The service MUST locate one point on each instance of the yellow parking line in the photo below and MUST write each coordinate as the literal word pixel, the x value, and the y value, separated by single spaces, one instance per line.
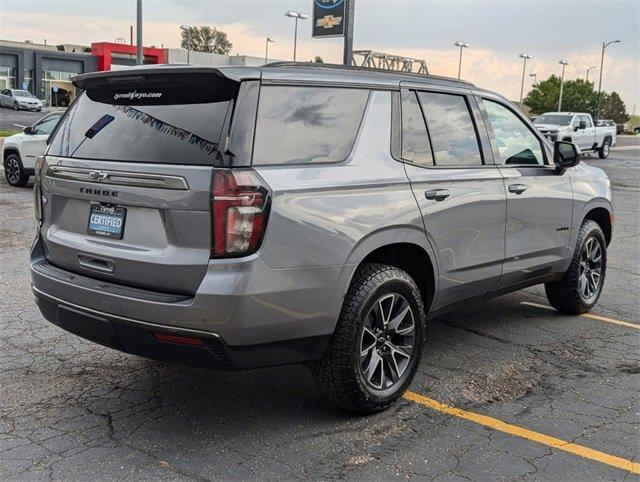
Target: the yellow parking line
pixel 589 315
pixel 526 434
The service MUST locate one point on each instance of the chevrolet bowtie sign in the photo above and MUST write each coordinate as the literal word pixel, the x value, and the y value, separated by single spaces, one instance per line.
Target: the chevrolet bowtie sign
pixel 328 18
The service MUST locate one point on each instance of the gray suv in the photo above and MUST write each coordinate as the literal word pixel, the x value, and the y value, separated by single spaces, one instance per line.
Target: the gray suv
pixel 245 217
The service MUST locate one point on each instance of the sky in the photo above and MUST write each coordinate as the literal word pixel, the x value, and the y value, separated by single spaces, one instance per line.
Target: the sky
pixel 498 30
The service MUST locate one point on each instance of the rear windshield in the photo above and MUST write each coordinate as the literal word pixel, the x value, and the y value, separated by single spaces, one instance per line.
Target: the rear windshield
pixel 165 119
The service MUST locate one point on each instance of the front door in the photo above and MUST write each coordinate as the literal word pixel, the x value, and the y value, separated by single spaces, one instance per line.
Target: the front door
pixel 461 198
pixel 539 199
pixel 583 138
pixel 34 144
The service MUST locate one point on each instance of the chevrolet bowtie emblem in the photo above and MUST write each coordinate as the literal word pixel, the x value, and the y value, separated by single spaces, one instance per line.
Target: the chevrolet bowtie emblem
pixel 98 175
pixel 328 21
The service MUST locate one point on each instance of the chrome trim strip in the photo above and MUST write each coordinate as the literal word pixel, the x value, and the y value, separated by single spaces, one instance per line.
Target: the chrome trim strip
pixel 118 178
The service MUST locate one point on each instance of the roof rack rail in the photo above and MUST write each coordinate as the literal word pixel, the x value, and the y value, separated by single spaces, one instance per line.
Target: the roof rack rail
pixel 356 68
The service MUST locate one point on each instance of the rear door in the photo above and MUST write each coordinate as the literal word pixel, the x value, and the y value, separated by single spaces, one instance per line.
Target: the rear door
pixel 128 177
pixel 539 199
pixel 459 190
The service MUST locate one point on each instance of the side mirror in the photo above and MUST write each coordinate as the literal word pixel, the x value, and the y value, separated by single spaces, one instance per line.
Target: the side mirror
pixel 583 125
pixel 28 130
pixel 566 155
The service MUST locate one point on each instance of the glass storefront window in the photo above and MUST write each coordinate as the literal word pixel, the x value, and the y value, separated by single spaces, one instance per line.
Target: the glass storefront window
pixel 57 89
pixel 27 82
pixel 7 78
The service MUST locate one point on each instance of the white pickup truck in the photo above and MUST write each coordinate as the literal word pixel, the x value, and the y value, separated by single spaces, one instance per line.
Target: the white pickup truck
pixel 579 128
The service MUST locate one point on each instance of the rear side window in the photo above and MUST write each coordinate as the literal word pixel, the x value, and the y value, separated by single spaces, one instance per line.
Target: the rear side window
pixel 451 129
pixel 168 119
pixel 302 125
pixel 415 140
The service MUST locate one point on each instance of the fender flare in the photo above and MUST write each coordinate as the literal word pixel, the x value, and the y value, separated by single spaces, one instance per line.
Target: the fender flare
pixel 599 202
pixel 384 237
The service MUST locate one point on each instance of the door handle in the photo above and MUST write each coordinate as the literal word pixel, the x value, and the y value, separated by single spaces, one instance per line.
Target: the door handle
pixel 517 188
pixel 437 194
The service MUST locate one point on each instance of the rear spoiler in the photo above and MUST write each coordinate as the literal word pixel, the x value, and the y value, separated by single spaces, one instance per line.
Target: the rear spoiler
pixel 141 73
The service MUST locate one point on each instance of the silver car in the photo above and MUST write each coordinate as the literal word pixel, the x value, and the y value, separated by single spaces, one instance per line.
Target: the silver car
pixel 244 217
pixel 19 100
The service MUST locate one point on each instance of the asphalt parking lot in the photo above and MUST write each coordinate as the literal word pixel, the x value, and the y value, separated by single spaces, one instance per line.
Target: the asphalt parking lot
pixel 11 120
pixel 508 390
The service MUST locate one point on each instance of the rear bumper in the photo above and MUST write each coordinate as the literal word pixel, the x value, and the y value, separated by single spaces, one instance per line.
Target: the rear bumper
pixel 139 338
pixel 257 315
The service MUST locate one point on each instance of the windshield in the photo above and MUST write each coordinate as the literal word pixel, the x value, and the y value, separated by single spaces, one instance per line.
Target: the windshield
pixel 179 123
pixel 22 93
pixel 554 119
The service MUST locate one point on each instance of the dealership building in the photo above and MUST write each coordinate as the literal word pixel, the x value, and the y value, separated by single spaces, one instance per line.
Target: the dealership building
pixel 46 70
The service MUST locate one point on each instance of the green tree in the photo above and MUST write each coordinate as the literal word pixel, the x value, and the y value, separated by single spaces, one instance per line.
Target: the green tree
pixel 578 96
pixel 205 39
pixel 612 107
pixel 318 60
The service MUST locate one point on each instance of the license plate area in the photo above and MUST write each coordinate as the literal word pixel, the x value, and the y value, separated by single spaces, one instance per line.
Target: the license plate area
pixel 106 220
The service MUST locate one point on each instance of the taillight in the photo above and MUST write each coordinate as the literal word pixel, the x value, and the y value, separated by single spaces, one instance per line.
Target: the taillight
pixel 37 190
pixel 239 210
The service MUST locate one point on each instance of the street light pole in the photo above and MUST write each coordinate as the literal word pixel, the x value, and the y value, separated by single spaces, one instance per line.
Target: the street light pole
pixel 139 58
pixel 604 46
pixel 564 64
pixel 588 70
pixel 462 45
pixel 525 57
pixel 187 28
pixel 296 15
pixel 266 50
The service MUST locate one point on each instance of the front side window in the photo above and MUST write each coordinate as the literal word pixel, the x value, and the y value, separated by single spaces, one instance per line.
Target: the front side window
pixel 301 125
pixel 587 121
pixel 47 125
pixel 516 143
pixel 415 140
pixel 453 135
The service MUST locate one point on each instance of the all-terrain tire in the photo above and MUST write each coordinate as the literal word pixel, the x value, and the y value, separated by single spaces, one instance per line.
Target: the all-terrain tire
pixel 565 295
pixel 603 151
pixel 339 373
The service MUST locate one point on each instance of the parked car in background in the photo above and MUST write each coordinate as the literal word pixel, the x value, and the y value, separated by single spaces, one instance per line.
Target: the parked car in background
pixel 60 97
pixel 20 100
pixel 578 128
pixel 636 129
pixel 19 151
pixel 242 217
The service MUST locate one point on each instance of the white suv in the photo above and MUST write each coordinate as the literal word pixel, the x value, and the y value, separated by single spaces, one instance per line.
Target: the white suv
pixel 19 151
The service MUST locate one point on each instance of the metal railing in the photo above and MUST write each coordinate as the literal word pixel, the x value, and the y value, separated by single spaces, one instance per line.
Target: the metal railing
pixel 382 61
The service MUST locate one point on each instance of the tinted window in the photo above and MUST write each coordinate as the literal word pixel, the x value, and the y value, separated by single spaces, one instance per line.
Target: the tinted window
pixel 516 143
pixel 307 124
pixel 453 136
pixel 415 140
pixel 177 121
pixel 587 120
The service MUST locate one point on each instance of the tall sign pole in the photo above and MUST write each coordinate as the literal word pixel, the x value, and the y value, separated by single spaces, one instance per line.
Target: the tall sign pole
pixel 139 60
pixel 348 32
